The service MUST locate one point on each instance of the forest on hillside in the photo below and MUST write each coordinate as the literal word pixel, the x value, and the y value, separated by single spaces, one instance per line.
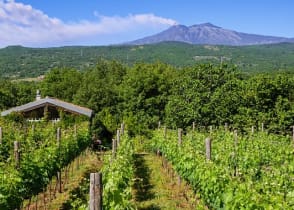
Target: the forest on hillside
pixel 143 94
pixel 22 62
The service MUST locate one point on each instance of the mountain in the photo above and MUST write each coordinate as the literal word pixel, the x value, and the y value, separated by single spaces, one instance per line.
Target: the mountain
pixel 208 33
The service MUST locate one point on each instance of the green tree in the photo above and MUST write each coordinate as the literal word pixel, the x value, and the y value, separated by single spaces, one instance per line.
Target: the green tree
pixel 144 92
pixel 7 93
pixel 193 91
pixel 99 91
pixel 61 83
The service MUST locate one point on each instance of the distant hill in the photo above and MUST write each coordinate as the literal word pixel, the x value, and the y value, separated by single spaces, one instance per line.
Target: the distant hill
pixel 21 62
pixel 208 33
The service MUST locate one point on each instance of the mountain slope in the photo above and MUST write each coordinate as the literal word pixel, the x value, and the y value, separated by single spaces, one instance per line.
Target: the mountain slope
pixel 208 33
pixel 21 62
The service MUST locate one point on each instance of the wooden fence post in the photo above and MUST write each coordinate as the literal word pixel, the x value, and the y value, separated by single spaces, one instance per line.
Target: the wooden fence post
pixel 1 135
pixel 17 154
pixel 208 148
pixel 96 188
pixel 193 126
pixel 252 129
pixel 118 137
pixel 159 124
pixel 262 127
pixel 180 132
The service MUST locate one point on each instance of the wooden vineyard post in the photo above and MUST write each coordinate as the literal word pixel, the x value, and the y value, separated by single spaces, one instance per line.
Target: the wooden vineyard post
pixel 159 124
pixel 235 151
pixel 96 191
pixel 33 128
pixel 180 133
pixel 262 127
pixel 114 147
pixel 164 132
pixel 158 152
pixel 36 202
pixel 208 148
pixel 226 127
pixel 164 136
pixel 44 198
pixel 1 135
pixel 50 187
pixel 122 129
pixel 59 182
pixel 58 138
pixel 75 131
pixel 235 139
pixel 293 134
pixel 17 154
pixel 118 137
pixel 252 129
pixel 193 126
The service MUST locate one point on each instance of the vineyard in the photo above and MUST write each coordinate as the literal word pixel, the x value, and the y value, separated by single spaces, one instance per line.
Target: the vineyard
pixel 31 155
pixel 254 171
pixel 224 169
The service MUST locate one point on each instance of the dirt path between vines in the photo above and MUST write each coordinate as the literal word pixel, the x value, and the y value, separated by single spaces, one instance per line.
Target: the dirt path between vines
pixel 157 187
pixel 84 164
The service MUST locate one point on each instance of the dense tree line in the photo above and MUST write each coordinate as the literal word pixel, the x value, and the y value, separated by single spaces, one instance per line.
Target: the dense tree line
pixel 143 94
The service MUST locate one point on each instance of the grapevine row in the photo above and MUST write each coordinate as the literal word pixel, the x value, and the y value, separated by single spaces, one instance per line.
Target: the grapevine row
pixel 117 176
pixel 39 165
pixel 253 172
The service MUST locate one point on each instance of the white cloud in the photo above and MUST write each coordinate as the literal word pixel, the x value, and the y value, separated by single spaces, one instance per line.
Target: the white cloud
pixel 21 24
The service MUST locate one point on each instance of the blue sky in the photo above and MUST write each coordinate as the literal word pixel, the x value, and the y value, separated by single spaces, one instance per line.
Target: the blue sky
pixel 45 23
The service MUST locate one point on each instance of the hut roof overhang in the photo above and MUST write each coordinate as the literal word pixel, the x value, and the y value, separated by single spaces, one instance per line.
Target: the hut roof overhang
pixel 72 108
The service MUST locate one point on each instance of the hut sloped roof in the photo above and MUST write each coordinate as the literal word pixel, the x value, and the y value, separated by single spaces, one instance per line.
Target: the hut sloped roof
pixel 50 101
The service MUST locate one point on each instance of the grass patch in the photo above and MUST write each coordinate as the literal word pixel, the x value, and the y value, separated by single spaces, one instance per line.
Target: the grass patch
pixel 156 187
